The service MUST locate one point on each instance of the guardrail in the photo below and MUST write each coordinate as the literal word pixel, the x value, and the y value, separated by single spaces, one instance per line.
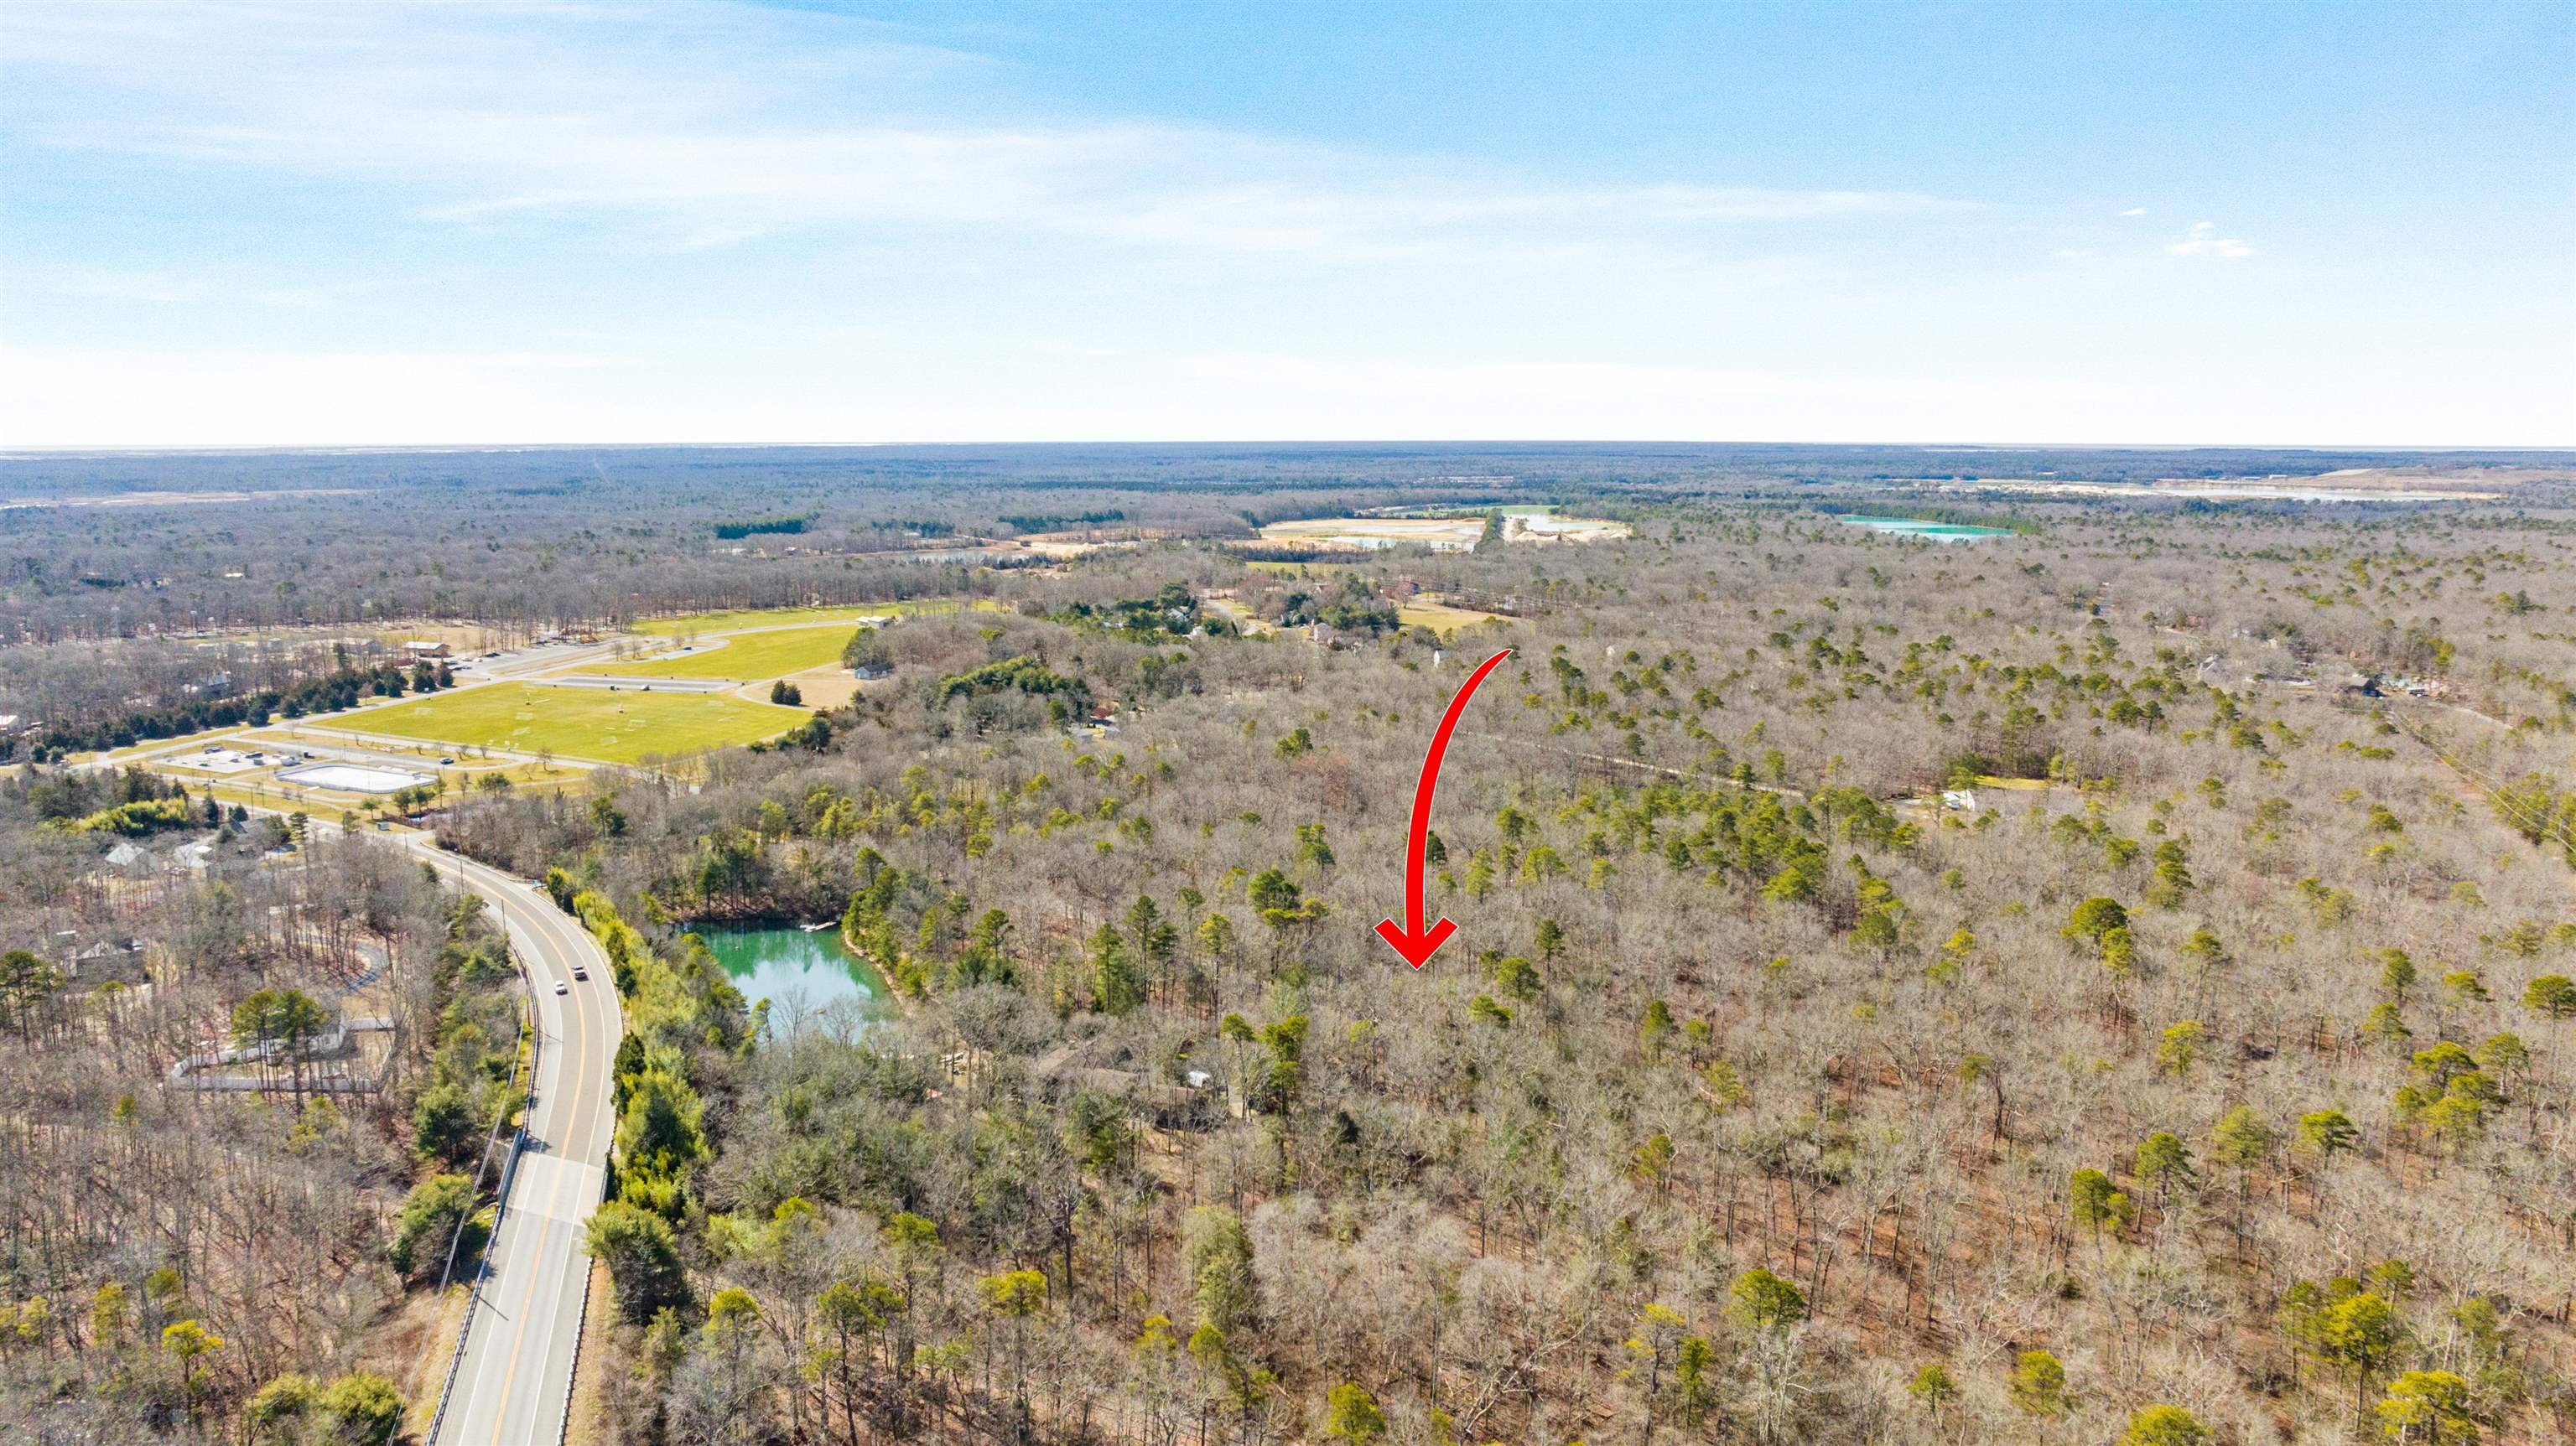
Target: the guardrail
pixel 483 1163
pixel 474 1296
pixel 581 1319
pixel 455 1361
pixel 500 1211
pixel 580 1327
pixel 509 1170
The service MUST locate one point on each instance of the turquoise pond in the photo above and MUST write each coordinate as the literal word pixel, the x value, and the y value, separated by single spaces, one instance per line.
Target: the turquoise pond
pixel 1917 527
pixel 790 967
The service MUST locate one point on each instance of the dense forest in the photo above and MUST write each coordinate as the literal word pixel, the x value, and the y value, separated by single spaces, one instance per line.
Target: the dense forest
pixel 159 544
pixel 2107 982
pixel 183 1263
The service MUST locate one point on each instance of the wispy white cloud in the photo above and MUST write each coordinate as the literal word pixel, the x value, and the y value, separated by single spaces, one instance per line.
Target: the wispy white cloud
pixel 2204 240
pixel 766 223
pixel 487 124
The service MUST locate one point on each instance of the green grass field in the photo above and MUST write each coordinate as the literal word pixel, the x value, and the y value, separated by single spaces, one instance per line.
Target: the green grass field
pixel 1439 617
pixel 701 623
pixel 619 727
pixel 747 657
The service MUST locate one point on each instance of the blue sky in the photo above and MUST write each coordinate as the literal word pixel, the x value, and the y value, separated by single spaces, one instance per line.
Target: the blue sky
pixel 365 224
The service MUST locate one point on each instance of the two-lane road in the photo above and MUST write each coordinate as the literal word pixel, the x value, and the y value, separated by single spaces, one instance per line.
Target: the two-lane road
pixel 515 1378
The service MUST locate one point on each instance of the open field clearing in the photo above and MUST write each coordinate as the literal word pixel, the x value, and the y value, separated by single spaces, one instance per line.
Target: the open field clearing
pixel 1545 526
pixel 1237 614
pixel 466 639
pixel 619 727
pixel 693 624
pixel 746 657
pixel 1442 534
pixel 825 687
pixel 1422 612
pixel 738 619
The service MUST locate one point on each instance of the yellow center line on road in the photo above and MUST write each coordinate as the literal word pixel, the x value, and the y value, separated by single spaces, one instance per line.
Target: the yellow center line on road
pixel 505 891
pixel 554 1195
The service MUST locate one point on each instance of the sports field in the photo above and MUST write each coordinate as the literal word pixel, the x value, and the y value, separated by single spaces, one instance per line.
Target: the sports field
pixel 619 727
pixel 745 657
pixel 740 618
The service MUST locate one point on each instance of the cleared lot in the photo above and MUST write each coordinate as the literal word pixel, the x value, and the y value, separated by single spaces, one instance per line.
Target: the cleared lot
pixel 1440 617
pixel 735 620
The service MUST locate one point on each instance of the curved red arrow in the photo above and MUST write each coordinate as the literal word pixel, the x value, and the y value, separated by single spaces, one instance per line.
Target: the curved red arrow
pixel 1416 943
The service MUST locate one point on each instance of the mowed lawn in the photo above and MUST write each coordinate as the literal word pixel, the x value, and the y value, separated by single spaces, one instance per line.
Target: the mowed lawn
pixel 739 618
pixel 619 727
pixel 1439 617
pixel 746 657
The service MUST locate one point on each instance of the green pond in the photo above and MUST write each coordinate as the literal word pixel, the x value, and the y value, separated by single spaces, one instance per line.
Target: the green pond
pixel 1917 527
pixel 791 968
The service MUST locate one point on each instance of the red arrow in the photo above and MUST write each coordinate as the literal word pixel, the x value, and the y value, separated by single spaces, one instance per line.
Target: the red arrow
pixel 1416 943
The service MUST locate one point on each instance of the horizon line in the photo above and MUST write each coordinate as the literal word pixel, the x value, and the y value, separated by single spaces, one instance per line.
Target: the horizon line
pixel 197 449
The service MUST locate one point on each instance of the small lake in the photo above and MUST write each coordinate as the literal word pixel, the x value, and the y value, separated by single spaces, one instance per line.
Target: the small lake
pixel 791 968
pixel 1917 527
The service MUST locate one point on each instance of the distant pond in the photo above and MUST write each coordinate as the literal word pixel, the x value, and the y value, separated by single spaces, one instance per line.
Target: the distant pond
pixel 791 968
pixel 1917 527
